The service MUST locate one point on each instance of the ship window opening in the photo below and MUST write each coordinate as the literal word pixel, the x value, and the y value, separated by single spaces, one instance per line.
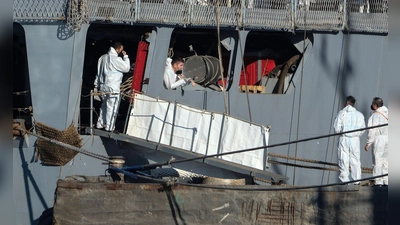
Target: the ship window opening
pixel 99 38
pixel 270 62
pixel 199 50
pixel 22 101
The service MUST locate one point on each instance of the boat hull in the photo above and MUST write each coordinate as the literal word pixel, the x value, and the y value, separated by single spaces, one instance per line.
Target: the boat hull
pixel 97 200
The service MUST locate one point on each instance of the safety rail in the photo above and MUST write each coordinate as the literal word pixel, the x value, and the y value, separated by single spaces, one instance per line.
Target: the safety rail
pixel 320 15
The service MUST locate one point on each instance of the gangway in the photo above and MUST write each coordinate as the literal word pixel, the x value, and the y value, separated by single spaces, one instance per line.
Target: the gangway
pixel 179 130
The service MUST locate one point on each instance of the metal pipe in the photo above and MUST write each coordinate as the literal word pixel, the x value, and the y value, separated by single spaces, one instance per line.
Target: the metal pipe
pixel 220 134
pixel 162 128
pixel 173 124
pixel 91 111
pixel 128 115
pixel 208 136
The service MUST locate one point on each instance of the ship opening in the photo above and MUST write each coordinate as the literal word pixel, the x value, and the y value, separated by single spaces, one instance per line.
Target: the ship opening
pixel 100 37
pixel 199 50
pixel 22 101
pixel 270 62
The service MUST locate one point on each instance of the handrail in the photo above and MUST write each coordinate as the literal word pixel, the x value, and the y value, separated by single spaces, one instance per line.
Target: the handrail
pixel 287 15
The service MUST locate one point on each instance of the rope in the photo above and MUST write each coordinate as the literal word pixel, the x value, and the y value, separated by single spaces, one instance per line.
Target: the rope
pixel 20 93
pixel 80 150
pixel 269 188
pixel 363 169
pixel 220 57
pixel 301 90
pixel 25 110
pixel 170 52
pixel 245 76
pixel 301 159
pixel 262 180
pixel 345 46
pixel 77 14
pixel 261 147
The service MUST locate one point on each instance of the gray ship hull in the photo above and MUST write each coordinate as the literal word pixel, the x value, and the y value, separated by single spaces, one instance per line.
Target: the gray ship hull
pixel 335 64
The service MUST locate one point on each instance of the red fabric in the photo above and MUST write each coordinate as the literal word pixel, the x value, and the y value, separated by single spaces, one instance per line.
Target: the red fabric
pixel 251 66
pixel 140 64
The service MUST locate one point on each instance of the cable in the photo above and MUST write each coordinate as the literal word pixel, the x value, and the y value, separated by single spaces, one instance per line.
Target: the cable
pixel 256 148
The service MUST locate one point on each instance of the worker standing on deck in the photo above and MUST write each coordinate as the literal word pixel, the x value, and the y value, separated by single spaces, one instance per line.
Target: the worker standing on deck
pixel 110 69
pixel 378 139
pixel 173 76
pixel 349 144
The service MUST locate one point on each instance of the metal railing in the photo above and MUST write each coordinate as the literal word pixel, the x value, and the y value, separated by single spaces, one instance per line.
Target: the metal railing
pixel 321 15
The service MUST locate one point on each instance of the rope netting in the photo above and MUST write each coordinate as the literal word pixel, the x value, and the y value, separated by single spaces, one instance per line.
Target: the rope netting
pixel 53 154
pixel 77 14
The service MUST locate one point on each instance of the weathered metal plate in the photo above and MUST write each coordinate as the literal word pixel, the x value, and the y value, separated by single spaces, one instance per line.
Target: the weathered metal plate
pixel 104 202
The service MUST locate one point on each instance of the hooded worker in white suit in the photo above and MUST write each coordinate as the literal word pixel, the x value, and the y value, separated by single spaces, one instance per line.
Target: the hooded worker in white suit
pixel 378 139
pixel 349 144
pixel 110 69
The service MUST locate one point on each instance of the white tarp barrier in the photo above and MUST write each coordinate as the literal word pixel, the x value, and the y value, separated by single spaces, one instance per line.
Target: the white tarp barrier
pixel 199 131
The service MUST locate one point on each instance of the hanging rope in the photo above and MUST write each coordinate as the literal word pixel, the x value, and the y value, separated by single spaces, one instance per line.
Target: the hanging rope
pixel 346 41
pixel 301 89
pixel 365 169
pixel 77 14
pixel 220 57
pixel 171 52
pixel 243 68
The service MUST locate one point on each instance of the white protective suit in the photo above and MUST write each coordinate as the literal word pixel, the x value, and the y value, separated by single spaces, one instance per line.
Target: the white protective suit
pixel 378 140
pixel 349 144
pixel 110 69
pixel 171 80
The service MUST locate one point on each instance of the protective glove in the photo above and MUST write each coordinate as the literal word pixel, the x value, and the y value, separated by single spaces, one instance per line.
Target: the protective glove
pixel 96 95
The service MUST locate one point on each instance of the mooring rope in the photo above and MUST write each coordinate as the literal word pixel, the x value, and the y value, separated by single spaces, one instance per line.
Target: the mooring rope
pixel 363 169
pixel 274 188
pixel 261 147
pixel 62 144
pixel 366 169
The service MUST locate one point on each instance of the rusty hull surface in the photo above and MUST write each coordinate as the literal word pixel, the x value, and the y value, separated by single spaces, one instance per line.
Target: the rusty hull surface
pixel 104 202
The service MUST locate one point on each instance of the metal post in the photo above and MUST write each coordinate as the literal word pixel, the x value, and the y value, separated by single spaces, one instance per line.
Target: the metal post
pixel 220 134
pixel 127 116
pixel 208 136
pixel 91 111
pixel 116 112
pixel 162 128
pixel 173 124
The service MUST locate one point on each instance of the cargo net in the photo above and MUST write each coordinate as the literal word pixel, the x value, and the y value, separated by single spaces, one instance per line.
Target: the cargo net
pixel 52 154
pixel 368 15
pixel 77 14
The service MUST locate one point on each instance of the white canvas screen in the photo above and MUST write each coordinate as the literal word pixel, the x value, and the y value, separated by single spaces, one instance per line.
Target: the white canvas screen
pixel 195 130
